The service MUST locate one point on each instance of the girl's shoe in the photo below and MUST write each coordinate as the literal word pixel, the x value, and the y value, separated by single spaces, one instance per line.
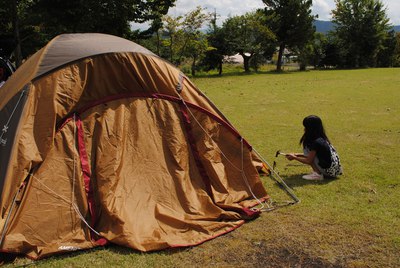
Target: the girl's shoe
pixel 314 177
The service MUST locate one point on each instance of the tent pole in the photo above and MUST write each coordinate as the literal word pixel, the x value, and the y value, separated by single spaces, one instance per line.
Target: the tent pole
pixel 3 234
pixel 274 175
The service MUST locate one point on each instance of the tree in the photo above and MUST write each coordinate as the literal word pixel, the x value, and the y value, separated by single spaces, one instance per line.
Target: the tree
pixel 248 36
pixel 313 52
pixel 172 36
pixel 386 55
pixel 45 19
pixel 396 56
pixel 332 52
pixel 292 23
pixel 361 28
pixel 214 56
pixel 183 37
pixel 105 16
pixel 13 20
pixel 196 49
pixel 194 40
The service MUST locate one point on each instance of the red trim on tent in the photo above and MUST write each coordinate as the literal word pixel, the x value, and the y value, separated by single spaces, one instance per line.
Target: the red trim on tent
pixel 250 213
pixel 86 178
pixel 66 121
pixel 245 212
pixel 102 241
pixel 85 168
pixel 158 96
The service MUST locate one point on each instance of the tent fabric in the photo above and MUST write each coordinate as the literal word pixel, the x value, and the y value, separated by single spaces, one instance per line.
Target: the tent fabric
pixel 112 144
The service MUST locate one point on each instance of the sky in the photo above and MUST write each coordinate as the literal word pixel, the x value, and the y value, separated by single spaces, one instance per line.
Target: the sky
pixel 225 8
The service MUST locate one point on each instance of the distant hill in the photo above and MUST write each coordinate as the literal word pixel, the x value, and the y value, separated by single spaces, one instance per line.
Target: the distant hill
pixel 323 26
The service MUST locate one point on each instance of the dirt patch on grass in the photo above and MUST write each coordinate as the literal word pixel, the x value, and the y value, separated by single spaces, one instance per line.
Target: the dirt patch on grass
pixel 284 257
pixel 256 256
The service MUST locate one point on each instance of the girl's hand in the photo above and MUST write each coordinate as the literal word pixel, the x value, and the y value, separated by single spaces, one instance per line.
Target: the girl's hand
pixel 290 156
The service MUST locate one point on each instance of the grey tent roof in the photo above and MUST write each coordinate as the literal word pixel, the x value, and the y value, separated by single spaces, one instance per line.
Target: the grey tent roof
pixel 70 47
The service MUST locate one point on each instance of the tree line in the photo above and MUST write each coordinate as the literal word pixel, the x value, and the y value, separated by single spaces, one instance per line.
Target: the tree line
pixel 362 37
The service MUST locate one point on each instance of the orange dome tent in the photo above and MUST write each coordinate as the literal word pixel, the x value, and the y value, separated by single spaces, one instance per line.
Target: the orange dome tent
pixel 104 142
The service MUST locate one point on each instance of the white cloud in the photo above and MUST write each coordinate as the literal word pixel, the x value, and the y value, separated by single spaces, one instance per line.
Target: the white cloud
pixel 393 10
pixel 323 9
pixel 224 8
pixel 239 7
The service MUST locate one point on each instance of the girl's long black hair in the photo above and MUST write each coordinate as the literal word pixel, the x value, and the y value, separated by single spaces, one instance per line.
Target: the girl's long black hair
pixel 313 129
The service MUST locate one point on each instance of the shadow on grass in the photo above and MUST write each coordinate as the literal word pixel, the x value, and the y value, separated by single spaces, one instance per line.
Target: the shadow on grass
pixel 129 251
pixel 241 73
pixel 296 180
pixel 15 260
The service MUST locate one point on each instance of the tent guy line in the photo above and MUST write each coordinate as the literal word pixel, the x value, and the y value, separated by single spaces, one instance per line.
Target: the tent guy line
pixel 65 199
pixel 278 179
pixel 241 170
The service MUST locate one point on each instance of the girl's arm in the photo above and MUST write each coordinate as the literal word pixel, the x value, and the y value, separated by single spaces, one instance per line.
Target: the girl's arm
pixel 309 159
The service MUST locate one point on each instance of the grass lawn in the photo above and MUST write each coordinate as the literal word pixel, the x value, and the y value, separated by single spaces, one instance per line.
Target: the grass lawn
pixel 353 221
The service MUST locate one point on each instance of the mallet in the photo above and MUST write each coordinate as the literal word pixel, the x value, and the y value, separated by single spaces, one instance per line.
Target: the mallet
pixel 280 153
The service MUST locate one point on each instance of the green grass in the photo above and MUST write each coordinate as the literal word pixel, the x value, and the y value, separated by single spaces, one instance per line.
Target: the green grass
pixel 353 221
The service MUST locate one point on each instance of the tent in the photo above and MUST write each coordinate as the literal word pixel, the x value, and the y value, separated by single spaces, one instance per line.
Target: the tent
pixel 104 142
